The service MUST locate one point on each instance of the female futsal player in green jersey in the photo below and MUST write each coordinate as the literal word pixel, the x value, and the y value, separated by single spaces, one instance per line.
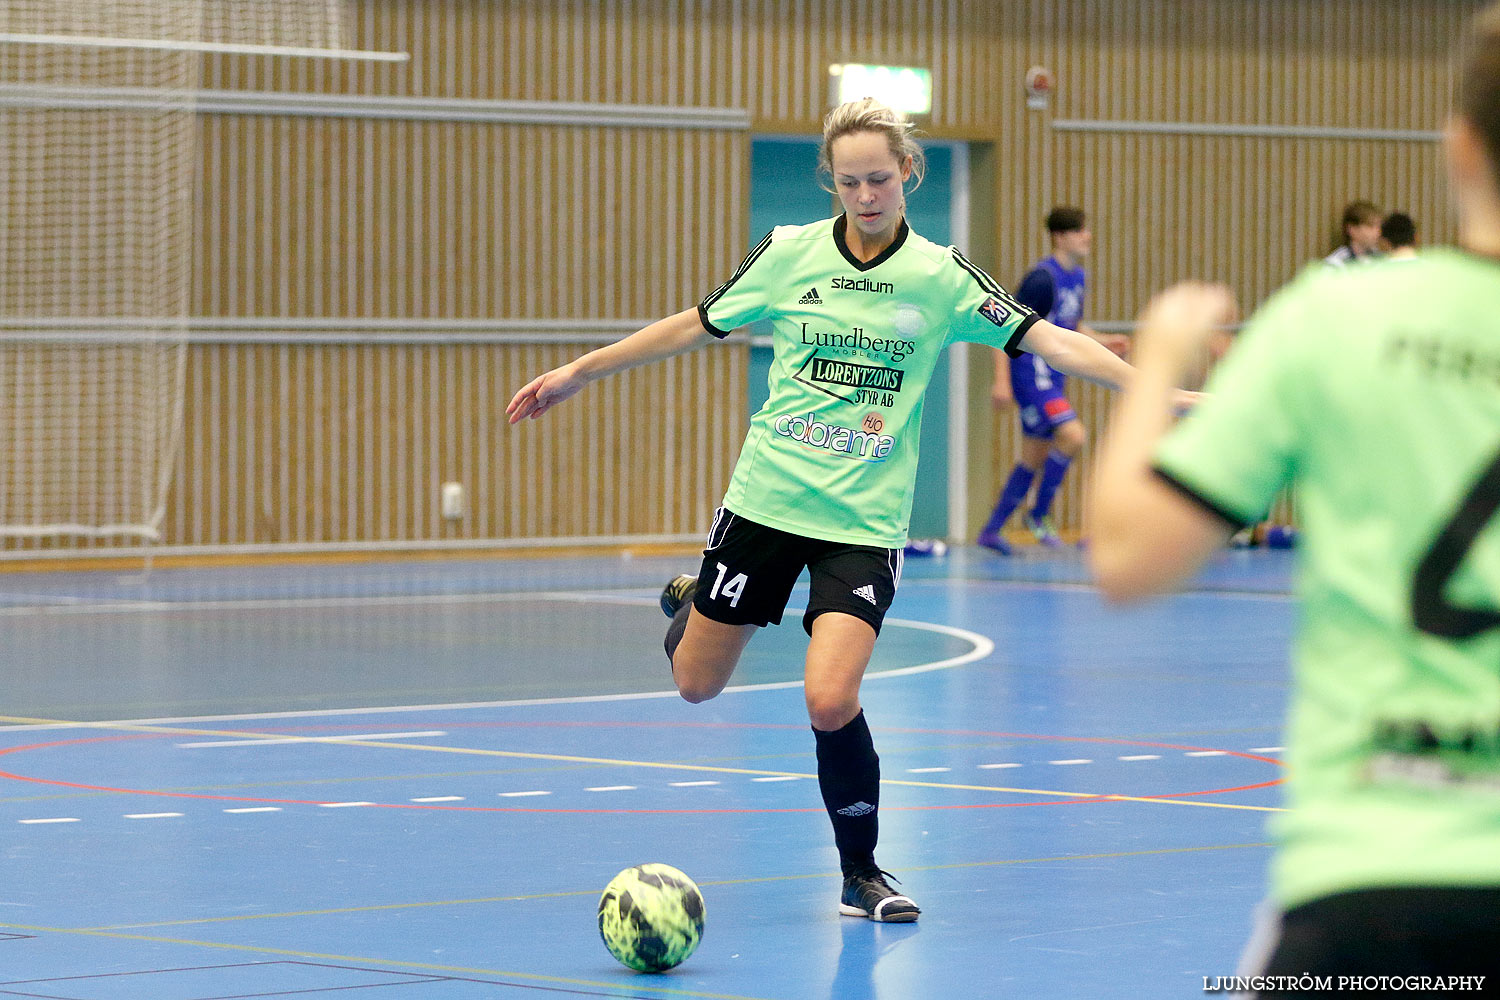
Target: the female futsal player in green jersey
pixel 861 307
pixel 1387 867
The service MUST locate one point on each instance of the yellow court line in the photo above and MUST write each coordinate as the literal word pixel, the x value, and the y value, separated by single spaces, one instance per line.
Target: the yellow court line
pixel 704 885
pixel 663 765
pixel 625 990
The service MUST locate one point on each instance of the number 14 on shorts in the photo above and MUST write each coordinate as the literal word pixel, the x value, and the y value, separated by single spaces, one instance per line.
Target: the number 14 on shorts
pixel 733 590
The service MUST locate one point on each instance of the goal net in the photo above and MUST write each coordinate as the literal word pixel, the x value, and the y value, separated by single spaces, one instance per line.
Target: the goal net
pixel 97 172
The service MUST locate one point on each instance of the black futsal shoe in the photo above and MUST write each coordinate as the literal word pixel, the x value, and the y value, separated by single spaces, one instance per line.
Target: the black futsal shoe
pixel 677 593
pixel 868 894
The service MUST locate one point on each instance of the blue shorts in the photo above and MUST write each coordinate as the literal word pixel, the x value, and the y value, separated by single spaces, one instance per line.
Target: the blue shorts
pixel 1043 412
pixel 1038 391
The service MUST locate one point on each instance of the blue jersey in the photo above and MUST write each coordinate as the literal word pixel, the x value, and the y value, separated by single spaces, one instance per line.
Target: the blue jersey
pixel 1055 292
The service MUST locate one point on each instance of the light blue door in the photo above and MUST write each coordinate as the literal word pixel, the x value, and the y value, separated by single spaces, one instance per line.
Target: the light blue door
pixel 784 191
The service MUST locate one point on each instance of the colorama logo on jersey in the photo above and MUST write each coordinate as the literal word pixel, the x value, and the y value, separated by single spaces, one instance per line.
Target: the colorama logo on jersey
pixel 810 298
pixel 809 430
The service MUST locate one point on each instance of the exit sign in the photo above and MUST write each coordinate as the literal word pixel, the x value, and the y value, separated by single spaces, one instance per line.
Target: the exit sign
pixel 907 89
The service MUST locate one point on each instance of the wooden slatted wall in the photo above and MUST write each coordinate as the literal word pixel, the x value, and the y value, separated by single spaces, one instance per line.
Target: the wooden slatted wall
pixel 1250 210
pixel 405 221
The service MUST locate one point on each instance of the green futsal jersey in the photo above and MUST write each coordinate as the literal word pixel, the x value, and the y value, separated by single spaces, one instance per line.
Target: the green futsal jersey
pixel 833 453
pixel 1375 392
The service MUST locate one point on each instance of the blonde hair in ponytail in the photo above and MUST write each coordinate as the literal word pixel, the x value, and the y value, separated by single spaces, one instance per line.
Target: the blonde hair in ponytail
pixel 869 115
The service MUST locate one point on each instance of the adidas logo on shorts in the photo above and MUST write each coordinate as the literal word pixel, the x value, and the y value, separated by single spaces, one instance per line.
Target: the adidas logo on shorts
pixel 858 809
pixel 811 298
pixel 867 592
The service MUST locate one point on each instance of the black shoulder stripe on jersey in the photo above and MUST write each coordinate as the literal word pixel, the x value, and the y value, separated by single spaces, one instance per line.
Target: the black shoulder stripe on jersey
pixel 1013 345
pixel 1230 519
pixel 708 324
pixel 983 279
pixel 739 272
pixel 986 282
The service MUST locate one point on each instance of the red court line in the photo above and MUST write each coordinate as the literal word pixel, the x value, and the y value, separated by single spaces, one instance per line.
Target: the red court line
pixel 1072 800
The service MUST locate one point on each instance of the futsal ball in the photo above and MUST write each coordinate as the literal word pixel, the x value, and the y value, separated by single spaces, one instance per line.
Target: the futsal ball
pixel 651 917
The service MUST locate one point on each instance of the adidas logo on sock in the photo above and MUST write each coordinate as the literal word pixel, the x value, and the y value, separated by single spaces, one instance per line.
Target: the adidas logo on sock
pixel 858 809
pixel 867 592
pixel 811 298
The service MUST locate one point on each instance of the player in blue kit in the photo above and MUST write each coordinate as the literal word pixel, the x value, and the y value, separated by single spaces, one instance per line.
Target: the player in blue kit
pixel 1052 435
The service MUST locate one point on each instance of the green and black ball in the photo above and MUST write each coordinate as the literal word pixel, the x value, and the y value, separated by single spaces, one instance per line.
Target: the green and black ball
pixel 651 917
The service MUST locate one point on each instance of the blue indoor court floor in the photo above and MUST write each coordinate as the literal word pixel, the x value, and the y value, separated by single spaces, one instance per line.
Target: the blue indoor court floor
pixel 412 780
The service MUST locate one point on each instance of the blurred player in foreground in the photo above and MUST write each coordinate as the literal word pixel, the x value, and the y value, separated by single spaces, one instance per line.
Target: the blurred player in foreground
pixel 1388 860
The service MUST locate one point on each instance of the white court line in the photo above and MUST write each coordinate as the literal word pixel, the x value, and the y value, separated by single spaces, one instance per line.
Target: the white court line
pixel 691 784
pixel 47 600
pixel 55 819
pixel 927 770
pixel 611 788
pixel 1075 760
pixel 152 815
pixel 983 647
pixel 102 606
pixel 1265 750
pixel 1141 756
pixel 620 595
pixel 779 777
pixel 254 809
pixel 343 805
pixel 1207 753
pixel 1079 586
pixel 309 739
pixel 372 600
pixel 521 795
pixel 991 767
pixel 440 798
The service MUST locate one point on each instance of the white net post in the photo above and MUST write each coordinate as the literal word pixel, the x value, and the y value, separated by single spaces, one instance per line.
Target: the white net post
pixel 95 271
pixel 99 154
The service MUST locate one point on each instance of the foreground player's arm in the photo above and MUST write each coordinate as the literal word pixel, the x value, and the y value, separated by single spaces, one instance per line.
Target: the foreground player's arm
pixel 676 334
pixel 1144 536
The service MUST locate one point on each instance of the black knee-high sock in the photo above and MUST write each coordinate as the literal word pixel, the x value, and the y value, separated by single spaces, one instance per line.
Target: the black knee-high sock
pixel 849 777
pixel 675 630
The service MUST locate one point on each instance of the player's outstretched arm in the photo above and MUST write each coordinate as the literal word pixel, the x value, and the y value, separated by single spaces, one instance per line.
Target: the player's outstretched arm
pixel 1076 354
pixel 676 334
pixel 1144 537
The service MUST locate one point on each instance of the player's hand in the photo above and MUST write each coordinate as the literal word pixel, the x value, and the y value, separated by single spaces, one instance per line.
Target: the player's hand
pixel 544 392
pixel 1177 324
pixel 1183 400
pixel 1001 397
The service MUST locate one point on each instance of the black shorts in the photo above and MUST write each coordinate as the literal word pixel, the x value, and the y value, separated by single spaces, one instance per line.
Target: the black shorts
pixel 1401 932
pixel 749 570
